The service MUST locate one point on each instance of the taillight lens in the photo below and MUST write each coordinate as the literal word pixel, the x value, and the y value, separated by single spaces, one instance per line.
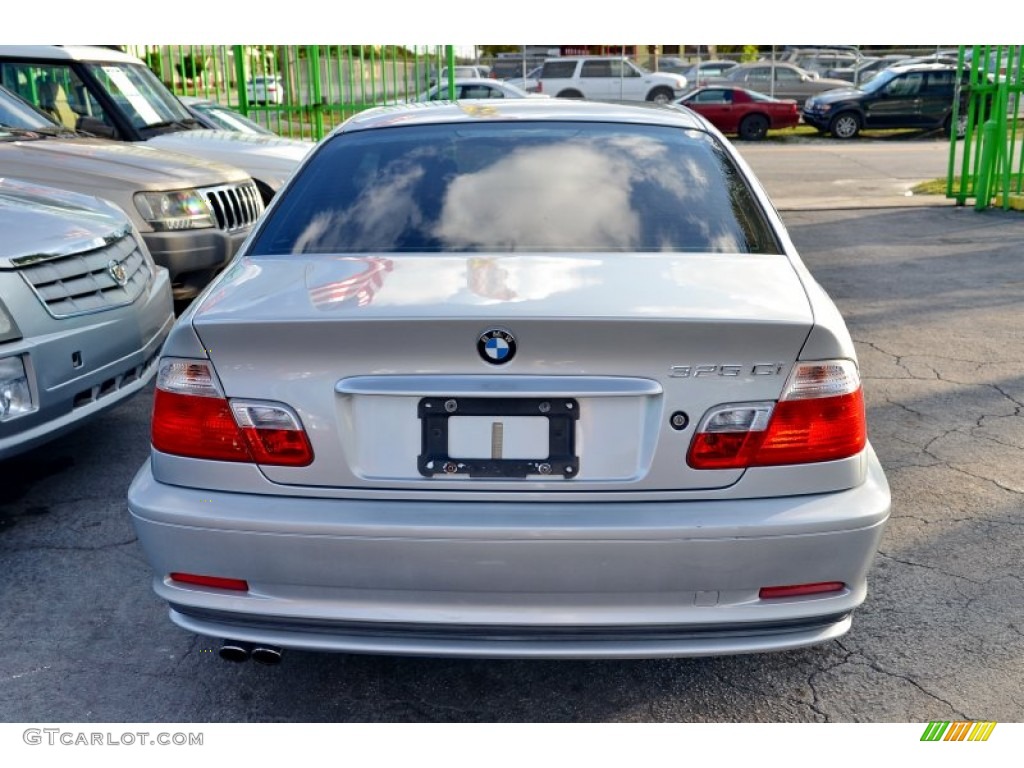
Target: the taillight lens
pixel 820 417
pixel 193 418
pixel 273 433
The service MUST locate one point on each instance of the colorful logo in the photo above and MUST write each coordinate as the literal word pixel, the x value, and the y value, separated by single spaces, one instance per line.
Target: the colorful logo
pixel 958 731
pixel 496 346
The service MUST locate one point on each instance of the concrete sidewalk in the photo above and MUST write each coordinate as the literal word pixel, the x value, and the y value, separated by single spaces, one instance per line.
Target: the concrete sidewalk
pixel 825 174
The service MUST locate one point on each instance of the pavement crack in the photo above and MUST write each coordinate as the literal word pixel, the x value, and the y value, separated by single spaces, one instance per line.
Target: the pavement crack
pixel 904 407
pixel 906 678
pixel 188 652
pixel 912 564
pixel 897 359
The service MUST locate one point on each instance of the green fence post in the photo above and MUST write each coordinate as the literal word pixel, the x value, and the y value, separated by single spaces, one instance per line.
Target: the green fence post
pixel 449 56
pixel 313 62
pixel 989 147
pixel 243 97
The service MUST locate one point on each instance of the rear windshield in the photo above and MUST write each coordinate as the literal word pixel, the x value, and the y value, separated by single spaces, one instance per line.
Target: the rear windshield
pixel 529 187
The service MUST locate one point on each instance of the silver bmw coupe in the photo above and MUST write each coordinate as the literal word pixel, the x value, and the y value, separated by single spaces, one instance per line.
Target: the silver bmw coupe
pixel 545 378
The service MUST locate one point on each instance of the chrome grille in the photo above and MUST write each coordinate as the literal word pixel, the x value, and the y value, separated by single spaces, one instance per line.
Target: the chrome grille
pixel 80 283
pixel 235 206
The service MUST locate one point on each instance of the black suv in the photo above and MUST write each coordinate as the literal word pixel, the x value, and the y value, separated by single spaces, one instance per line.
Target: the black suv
pixel 911 96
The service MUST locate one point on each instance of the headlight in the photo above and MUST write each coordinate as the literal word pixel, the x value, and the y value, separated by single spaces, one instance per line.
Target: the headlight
pixel 15 394
pixel 168 211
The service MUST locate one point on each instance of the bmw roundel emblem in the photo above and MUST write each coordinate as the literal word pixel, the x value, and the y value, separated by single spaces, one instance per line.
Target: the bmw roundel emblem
pixel 496 346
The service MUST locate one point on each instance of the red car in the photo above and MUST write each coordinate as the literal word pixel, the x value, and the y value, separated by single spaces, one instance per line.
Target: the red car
pixel 736 110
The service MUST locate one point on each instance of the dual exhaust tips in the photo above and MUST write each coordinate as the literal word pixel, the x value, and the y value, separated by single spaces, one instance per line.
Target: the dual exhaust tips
pixel 239 651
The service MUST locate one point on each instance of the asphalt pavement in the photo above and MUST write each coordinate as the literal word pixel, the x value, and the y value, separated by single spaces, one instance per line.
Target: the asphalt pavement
pixel 932 295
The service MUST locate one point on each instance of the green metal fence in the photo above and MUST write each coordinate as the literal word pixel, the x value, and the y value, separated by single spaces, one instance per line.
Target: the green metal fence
pixel 987 166
pixel 299 91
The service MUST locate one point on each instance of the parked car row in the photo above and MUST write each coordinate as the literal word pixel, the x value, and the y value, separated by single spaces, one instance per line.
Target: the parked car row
pixel 117 205
pixel 750 99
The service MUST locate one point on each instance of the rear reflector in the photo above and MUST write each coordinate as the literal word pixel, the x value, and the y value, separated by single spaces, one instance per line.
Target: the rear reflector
pixel 798 590
pixel 217 582
pixel 820 417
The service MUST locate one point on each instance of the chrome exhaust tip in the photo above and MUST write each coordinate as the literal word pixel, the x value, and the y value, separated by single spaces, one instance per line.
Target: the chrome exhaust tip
pixel 267 654
pixel 235 650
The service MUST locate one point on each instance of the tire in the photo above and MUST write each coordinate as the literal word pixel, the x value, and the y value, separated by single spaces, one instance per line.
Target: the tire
pixel 570 94
pixel 660 96
pixel 961 125
pixel 845 125
pixel 753 127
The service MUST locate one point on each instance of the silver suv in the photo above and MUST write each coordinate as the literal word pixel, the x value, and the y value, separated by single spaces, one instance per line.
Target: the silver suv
pixel 83 312
pixel 192 213
pixel 608 78
pixel 115 96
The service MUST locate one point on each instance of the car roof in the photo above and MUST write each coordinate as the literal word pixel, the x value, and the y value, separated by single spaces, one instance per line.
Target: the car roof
pixel 490 110
pixel 480 81
pixel 931 66
pixel 768 63
pixel 66 53
pixel 577 58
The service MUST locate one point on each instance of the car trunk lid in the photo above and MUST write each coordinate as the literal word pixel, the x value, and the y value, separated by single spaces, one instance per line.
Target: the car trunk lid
pixel 386 361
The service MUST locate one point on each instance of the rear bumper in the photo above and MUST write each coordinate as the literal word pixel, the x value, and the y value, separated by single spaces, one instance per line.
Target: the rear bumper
pixel 553 580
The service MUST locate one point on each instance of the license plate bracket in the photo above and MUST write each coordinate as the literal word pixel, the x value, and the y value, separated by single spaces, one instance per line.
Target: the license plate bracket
pixel 562 413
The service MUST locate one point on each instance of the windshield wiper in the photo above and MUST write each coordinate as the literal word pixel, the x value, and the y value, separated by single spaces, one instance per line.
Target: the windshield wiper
pixel 35 133
pixel 184 124
pixel 166 124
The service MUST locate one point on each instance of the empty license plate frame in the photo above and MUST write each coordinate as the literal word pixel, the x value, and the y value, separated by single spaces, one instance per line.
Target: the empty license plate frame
pixel 562 414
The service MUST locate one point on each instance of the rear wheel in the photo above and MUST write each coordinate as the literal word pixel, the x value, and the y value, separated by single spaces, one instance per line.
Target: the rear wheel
pixel 845 125
pixel 961 125
pixel 570 94
pixel 660 96
pixel 753 127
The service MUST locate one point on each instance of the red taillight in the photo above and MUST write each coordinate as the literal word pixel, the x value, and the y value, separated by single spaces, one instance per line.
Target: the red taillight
pixel 191 417
pixel 197 427
pixel 273 434
pixel 798 590
pixel 820 417
pixel 814 430
pixel 218 582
